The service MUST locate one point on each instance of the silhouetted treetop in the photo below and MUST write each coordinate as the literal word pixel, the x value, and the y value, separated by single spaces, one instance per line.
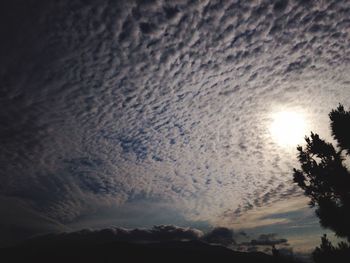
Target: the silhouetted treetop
pixel 324 177
pixel 326 252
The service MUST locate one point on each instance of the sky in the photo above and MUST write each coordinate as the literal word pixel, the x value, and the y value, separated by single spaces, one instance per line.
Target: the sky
pixel 141 113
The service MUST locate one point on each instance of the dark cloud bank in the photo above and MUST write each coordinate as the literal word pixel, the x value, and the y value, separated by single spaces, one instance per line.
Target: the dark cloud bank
pixel 104 103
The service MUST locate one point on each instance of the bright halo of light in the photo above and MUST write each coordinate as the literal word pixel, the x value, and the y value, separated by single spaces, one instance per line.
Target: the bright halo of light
pixel 288 128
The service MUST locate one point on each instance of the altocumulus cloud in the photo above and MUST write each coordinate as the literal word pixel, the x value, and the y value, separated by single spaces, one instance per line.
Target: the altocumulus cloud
pixel 110 102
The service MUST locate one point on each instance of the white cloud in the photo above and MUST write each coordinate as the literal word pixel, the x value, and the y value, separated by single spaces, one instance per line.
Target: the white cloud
pixel 168 101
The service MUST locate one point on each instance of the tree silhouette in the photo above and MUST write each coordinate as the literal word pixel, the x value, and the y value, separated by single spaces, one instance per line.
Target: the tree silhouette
pixel 326 252
pixel 324 176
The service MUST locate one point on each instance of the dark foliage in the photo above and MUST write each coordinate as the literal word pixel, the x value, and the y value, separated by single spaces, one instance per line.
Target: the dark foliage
pixel 325 178
pixel 326 252
pixel 340 124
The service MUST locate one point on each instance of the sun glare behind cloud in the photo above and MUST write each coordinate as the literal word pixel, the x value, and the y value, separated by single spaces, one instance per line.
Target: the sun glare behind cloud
pixel 288 128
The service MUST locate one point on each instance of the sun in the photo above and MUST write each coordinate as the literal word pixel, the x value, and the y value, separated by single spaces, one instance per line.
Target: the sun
pixel 288 128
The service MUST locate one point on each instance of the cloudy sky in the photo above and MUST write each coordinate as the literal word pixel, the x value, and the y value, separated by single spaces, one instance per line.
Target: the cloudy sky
pixel 140 113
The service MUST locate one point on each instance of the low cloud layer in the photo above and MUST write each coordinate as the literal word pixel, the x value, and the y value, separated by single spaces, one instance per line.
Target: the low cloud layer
pixel 105 104
pixel 268 240
pixel 161 233
pixel 265 243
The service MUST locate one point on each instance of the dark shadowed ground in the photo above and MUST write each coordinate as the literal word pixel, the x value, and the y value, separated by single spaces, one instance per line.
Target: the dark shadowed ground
pixel 90 249
pixel 176 251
